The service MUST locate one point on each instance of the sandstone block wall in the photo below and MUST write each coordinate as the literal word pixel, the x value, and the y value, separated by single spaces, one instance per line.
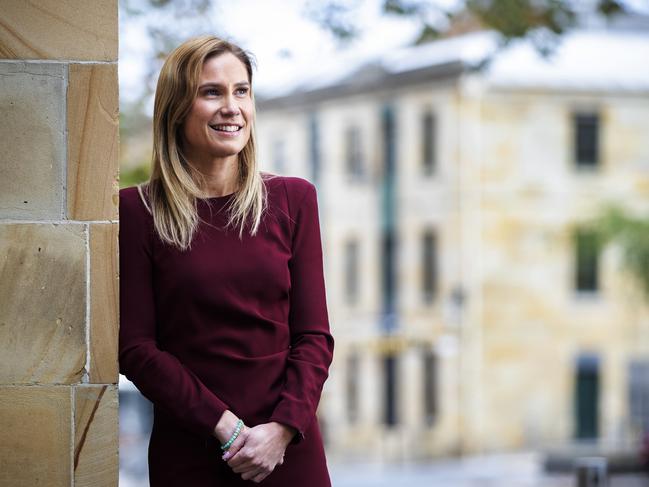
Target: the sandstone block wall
pixel 58 243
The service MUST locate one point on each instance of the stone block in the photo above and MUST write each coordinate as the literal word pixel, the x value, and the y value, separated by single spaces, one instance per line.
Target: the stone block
pixel 104 303
pixel 96 461
pixel 32 140
pixel 42 303
pixel 93 139
pixel 59 29
pixel 36 436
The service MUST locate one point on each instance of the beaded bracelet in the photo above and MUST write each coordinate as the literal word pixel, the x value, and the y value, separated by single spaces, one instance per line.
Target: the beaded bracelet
pixel 237 430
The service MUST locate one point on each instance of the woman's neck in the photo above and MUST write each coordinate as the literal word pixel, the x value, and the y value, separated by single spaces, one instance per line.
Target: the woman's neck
pixel 221 176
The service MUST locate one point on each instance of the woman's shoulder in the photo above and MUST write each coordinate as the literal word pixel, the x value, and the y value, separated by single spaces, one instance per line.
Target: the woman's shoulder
pixel 133 202
pixel 294 187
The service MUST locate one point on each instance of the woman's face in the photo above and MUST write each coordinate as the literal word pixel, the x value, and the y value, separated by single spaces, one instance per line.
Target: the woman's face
pixel 218 124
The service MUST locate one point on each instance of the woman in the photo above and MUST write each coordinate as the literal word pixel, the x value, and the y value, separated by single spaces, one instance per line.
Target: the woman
pixel 224 323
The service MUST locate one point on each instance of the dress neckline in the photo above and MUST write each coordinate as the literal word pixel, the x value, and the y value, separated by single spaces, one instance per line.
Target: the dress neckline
pixel 218 198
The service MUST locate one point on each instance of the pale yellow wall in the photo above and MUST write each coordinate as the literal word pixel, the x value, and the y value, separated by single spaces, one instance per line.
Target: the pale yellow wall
pixel 503 201
pixel 534 324
pixel 58 242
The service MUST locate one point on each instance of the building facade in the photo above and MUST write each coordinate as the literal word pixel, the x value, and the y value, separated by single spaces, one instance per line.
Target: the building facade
pixel 472 306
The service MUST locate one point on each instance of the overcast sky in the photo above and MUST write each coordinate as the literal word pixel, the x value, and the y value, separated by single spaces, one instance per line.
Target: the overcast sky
pixel 283 41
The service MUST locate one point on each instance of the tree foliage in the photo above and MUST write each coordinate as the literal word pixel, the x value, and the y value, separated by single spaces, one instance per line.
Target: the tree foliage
pixel 540 20
pixel 615 226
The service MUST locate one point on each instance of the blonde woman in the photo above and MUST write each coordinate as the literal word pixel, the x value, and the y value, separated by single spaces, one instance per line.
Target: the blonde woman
pixel 224 323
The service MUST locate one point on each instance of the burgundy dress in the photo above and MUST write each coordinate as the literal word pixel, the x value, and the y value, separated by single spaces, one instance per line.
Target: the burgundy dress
pixel 230 324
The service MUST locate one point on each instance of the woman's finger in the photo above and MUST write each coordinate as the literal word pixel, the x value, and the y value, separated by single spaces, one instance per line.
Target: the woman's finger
pixel 253 474
pixel 245 466
pixel 245 469
pixel 230 452
pixel 236 445
pixel 239 457
pixel 260 477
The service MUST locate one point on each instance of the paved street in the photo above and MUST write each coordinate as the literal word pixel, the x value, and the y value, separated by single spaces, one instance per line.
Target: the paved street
pixel 514 470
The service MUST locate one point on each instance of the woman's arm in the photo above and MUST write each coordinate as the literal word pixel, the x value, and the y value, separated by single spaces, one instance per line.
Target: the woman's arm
pixel 312 344
pixel 159 375
pixel 262 447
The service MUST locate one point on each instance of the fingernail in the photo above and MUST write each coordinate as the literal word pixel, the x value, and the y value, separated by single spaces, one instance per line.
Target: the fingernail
pixel 226 455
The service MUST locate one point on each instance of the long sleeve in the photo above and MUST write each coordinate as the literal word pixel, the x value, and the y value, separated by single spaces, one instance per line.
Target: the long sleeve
pixel 159 375
pixel 311 349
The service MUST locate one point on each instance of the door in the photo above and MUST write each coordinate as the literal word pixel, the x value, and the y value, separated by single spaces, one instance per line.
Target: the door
pixel 587 398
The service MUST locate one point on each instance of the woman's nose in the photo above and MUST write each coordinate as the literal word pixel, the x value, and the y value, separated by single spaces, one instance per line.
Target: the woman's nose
pixel 230 106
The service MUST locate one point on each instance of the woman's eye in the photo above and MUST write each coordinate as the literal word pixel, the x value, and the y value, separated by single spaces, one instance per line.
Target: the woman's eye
pixel 215 92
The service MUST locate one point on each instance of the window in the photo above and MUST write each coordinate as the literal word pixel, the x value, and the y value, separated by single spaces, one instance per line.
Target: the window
pixel 586 129
pixel 430 387
pixel 388 251
pixel 353 153
pixel 351 272
pixel 279 156
pixel 587 388
pixel 390 390
pixel 586 261
pixel 352 387
pixel 428 142
pixel 388 132
pixel 388 279
pixel 429 266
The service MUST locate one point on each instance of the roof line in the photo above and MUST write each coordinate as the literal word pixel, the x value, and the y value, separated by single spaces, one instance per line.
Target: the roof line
pixel 358 84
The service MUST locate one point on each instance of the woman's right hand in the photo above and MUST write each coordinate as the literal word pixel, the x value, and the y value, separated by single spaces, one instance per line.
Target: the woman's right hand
pixel 263 449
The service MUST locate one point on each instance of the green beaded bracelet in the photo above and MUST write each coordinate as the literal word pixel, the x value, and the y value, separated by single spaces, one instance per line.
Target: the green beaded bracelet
pixel 237 430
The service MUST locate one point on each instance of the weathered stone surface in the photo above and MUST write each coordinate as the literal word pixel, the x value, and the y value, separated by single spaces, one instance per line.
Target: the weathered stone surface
pixel 32 140
pixel 42 303
pixel 35 438
pixel 93 109
pixel 104 304
pixel 59 29
pixel 96 461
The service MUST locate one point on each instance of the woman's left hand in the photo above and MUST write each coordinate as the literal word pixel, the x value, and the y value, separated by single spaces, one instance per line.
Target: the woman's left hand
pixel 262 451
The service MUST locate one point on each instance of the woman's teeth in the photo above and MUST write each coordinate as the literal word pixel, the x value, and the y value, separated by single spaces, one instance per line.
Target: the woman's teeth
pixel 226 128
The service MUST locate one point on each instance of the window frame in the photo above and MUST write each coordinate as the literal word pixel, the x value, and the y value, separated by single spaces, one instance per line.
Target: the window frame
pixel 586 140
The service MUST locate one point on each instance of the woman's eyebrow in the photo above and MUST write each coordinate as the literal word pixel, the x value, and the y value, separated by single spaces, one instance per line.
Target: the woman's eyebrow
pixel 220 85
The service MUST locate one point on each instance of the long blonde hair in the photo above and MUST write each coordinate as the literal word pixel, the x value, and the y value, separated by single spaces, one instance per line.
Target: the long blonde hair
pixel 175 185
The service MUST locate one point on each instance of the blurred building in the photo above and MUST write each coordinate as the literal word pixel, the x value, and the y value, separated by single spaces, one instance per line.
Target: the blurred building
pixel 473 310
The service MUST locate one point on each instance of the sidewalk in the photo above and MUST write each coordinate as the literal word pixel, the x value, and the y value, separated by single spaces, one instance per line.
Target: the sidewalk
pixel 511 470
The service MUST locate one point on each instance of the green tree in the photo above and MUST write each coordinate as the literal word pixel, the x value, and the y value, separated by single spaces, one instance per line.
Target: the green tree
pixel 631 234
pixel 543 21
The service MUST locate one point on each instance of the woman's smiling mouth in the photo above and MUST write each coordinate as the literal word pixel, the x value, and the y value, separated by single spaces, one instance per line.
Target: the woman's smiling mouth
pixel 228 130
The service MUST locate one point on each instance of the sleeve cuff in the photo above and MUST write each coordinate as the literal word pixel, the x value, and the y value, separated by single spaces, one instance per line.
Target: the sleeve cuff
pixel 206 418
pixel 298 437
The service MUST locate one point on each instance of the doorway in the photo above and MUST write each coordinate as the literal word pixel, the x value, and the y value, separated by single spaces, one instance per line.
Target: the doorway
pixel 587 385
